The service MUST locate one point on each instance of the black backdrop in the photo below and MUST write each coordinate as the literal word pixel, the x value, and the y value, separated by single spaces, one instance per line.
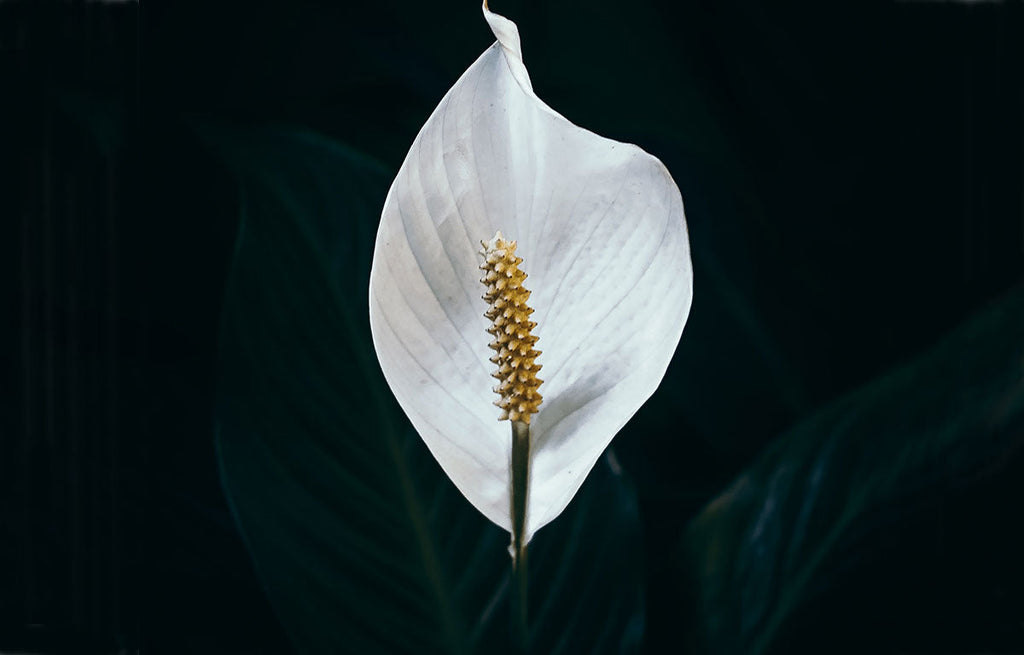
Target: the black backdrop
pixel 854 183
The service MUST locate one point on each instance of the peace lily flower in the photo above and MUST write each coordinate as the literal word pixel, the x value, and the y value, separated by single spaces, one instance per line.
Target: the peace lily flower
pixel 495 185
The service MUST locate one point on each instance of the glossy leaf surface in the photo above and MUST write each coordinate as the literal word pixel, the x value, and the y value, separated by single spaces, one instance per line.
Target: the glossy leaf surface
pixel 778 535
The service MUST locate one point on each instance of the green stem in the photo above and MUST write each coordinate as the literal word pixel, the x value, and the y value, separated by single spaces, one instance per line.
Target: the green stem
pixel 520 482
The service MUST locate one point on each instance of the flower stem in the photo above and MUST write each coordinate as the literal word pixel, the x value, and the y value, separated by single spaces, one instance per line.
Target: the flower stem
pixel 520 490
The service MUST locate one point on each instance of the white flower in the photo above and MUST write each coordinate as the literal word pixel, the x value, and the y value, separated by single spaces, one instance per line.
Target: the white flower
pixel 602 235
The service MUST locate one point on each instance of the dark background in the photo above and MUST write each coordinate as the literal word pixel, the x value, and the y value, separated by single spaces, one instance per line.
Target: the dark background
pixel 854 184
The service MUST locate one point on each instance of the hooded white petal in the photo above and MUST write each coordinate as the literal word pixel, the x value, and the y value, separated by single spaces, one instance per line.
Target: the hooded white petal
pixel 603 239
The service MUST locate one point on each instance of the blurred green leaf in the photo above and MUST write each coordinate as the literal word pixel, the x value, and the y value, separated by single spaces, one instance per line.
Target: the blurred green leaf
pixel 104 118
pixel 361 541
pixel 763 549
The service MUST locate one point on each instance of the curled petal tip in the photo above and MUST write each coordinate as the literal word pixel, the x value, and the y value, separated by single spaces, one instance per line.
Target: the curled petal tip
pixel 507 34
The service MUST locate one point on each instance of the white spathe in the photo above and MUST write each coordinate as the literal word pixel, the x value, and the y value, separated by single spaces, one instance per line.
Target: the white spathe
pixel 603 238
